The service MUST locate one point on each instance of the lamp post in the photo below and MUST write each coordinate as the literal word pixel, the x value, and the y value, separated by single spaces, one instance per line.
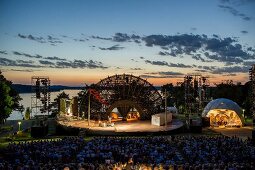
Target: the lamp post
pixel 19 123
pixel 243 114
pixel 166 95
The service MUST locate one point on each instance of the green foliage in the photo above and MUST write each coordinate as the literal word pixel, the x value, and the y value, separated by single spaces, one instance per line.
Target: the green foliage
pixel 237 92
pixel 176 94
pixel 9 98
pixel 56 104
pixel 27 113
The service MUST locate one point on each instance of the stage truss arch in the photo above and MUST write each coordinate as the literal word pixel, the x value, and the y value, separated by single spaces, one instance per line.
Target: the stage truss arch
pixel 124 92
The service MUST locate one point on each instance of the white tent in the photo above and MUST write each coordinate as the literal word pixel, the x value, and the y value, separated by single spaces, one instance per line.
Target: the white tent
pixel 224 112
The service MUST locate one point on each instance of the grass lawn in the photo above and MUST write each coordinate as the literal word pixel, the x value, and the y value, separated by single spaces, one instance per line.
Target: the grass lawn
pixel 5 140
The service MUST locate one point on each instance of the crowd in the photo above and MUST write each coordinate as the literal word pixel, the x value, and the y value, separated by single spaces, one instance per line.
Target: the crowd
pixel 138 153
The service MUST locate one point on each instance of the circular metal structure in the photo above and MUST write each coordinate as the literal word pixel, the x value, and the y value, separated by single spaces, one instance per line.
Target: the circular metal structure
pixel 126 92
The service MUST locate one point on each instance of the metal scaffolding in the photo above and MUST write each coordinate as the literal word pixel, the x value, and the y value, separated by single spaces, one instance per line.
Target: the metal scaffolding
pixel 123 92
pixel 40 97
pixel 196 93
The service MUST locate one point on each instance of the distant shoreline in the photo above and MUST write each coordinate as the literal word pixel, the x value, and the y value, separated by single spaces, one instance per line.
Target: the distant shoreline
pixel 20 88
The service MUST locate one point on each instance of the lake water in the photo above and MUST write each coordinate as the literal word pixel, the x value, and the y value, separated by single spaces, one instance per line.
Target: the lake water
pixel 26 102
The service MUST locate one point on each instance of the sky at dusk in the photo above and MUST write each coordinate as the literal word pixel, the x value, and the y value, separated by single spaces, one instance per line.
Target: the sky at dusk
pixel 79 41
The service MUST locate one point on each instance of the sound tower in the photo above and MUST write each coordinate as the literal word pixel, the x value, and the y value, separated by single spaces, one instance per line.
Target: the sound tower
pixel 37 89
pixel 40 96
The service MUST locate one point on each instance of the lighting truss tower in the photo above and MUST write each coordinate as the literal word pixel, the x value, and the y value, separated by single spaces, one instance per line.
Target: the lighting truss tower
pixel 203 93
pixel 196 93
pixel 252 93
pixel 40 98
pixel 188 93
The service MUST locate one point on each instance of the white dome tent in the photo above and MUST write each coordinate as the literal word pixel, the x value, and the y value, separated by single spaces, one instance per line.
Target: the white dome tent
pixel 223 112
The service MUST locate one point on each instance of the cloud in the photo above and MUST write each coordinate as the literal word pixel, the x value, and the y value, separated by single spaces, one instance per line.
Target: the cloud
pixel 27 55
pixel 37 56
pixel 80 64
pixel 46 62
pixel 94 64
pixel 55 58
pixel 168 74
pixel 237 2
pixel 134 60
pixel 163 53
pixel 123 37
pixel 25 61
pixel 234 12
pixel 231 74
pixel 3 52
pixel 31 37
pixel 8 62
pixel 80 39
pixel 22 36
pixel 19 70
pixel 48 39
pixel 157 63
pixel 164 63
pixel 244 32
pixel 201 47
pixel 234 69
pixel 180 65
pixel 193 28
pixel 207 68
pixel 249 63
pixel 53 40
pixel 251 49
pixel 199 58
pixel 173 53
pixel 115 47
pixel 136 68
pixel 100 38
pixel 137 41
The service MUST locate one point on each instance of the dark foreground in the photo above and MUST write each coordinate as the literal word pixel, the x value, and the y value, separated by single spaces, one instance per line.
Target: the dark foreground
pixel 102 153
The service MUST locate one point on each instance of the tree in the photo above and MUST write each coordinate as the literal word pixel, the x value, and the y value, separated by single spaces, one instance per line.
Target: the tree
pixel 170 90
pixel 56 104
pixel 9 98
pixel 27 113
pixel 230 91
pixel 176 94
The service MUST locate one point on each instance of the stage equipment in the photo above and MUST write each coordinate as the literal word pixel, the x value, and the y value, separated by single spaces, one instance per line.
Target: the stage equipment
pixel 123 92
pixel 40 97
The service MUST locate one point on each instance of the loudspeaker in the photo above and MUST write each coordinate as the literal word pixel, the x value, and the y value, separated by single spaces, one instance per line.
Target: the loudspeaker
pixel 253 135
pixel 39 131
pixel 205 121
pixel 196 129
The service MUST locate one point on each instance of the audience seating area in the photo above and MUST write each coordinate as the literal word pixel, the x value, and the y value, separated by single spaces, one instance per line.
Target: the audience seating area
pixel 138 153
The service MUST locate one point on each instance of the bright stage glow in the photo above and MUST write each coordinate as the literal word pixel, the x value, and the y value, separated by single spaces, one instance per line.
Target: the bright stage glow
pixel 224 117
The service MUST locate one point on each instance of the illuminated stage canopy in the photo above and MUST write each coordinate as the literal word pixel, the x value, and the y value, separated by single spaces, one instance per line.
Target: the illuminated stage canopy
pixel 223 112
pixel 125 92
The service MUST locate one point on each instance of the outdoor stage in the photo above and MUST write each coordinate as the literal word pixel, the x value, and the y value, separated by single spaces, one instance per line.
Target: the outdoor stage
pixel 134 127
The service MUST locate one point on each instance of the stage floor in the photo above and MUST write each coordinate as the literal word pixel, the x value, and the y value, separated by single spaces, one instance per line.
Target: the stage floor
pixel 135 126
